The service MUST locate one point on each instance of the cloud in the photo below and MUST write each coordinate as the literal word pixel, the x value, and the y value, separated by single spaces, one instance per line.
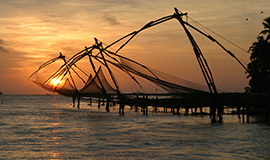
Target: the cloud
pixel 2 49
pixel 111 19
pixel 2 42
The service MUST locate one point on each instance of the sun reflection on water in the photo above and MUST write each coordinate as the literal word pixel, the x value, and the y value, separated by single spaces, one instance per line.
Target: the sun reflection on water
pixel 55 155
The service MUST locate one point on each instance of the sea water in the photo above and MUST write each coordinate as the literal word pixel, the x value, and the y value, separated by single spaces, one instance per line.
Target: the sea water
pixel 48 127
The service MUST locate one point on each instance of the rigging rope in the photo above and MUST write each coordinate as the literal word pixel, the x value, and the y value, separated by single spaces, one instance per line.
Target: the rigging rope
pixel 215 65
pixel 208 51
pixel 219 35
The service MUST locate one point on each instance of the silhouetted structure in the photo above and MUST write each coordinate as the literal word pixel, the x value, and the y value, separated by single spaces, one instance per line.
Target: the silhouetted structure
pixel 177 93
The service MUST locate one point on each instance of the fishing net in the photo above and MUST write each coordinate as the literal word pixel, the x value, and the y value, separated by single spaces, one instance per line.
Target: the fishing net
pixel 66 79
pixel 168 82
pixel 71 80
pixel 65 76
pixel 97 85
pixel 65 82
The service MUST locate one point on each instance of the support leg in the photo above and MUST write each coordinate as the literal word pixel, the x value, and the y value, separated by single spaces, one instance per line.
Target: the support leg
pixel 121 108
pixel 220 113
pixel 146 104
pixel 78 106
pixel 108 105
pixel 90 101
pixel 73 99
pixel 186 111
pixel 174 110
pixel 213 114
pixel 178 108
pixel 238 112
pixel 248 114
pixel 136 107
pixel 98 103
pixel 243 115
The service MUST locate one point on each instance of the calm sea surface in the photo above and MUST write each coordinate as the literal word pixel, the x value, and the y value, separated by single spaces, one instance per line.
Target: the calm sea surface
pixel 47 127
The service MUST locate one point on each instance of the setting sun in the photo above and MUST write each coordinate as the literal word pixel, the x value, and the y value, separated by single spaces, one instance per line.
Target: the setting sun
pixel 55 81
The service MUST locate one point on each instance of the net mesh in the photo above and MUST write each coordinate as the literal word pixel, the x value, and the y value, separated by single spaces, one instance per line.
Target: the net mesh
pixel 97 85
pixel 67 75
pixel 168 82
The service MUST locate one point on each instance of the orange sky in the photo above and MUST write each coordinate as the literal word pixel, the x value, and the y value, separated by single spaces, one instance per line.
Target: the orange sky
pixel 32 32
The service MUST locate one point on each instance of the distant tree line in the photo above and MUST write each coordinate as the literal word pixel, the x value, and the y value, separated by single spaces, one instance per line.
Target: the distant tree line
pixel 258 69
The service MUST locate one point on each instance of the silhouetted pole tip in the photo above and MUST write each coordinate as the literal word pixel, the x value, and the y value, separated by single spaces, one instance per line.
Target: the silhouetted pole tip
pixel 177 12
pixel 61 55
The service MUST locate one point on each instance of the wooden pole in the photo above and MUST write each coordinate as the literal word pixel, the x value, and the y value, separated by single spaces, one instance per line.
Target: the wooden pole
pixel 122 105
pixel 213 113
pixel 146 105
pixel 123 109
pixel 99 102
pixel 238 112
pixel 90 101
pixel 220 113
pixel 248 109
pixel 79 98
pixel 203 65
pixel 186 110
pixel 243 115
pixel 73 99
pixel 136 103
pixel 108 104
pixel 201 109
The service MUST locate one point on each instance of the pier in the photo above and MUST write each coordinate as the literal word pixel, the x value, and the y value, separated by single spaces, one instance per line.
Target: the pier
pixel 241 104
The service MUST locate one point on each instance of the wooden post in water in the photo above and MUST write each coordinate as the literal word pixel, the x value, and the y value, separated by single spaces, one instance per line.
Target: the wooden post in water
pixel 121 105
pixel 108 104
pixel 136 107
pixel 213 113
pixel 201 109
pixel 136 103
pixel 248 110
pixel 90 101
pixel 220 113
pixel 186 110
pixel 98 102
pixel 243 115
pixel 146 105
pixel 238 112
pixel 79 98
pixel 121 108
pixel 73 100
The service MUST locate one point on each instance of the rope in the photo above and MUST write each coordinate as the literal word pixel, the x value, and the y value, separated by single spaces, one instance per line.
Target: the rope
pixel 220 36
